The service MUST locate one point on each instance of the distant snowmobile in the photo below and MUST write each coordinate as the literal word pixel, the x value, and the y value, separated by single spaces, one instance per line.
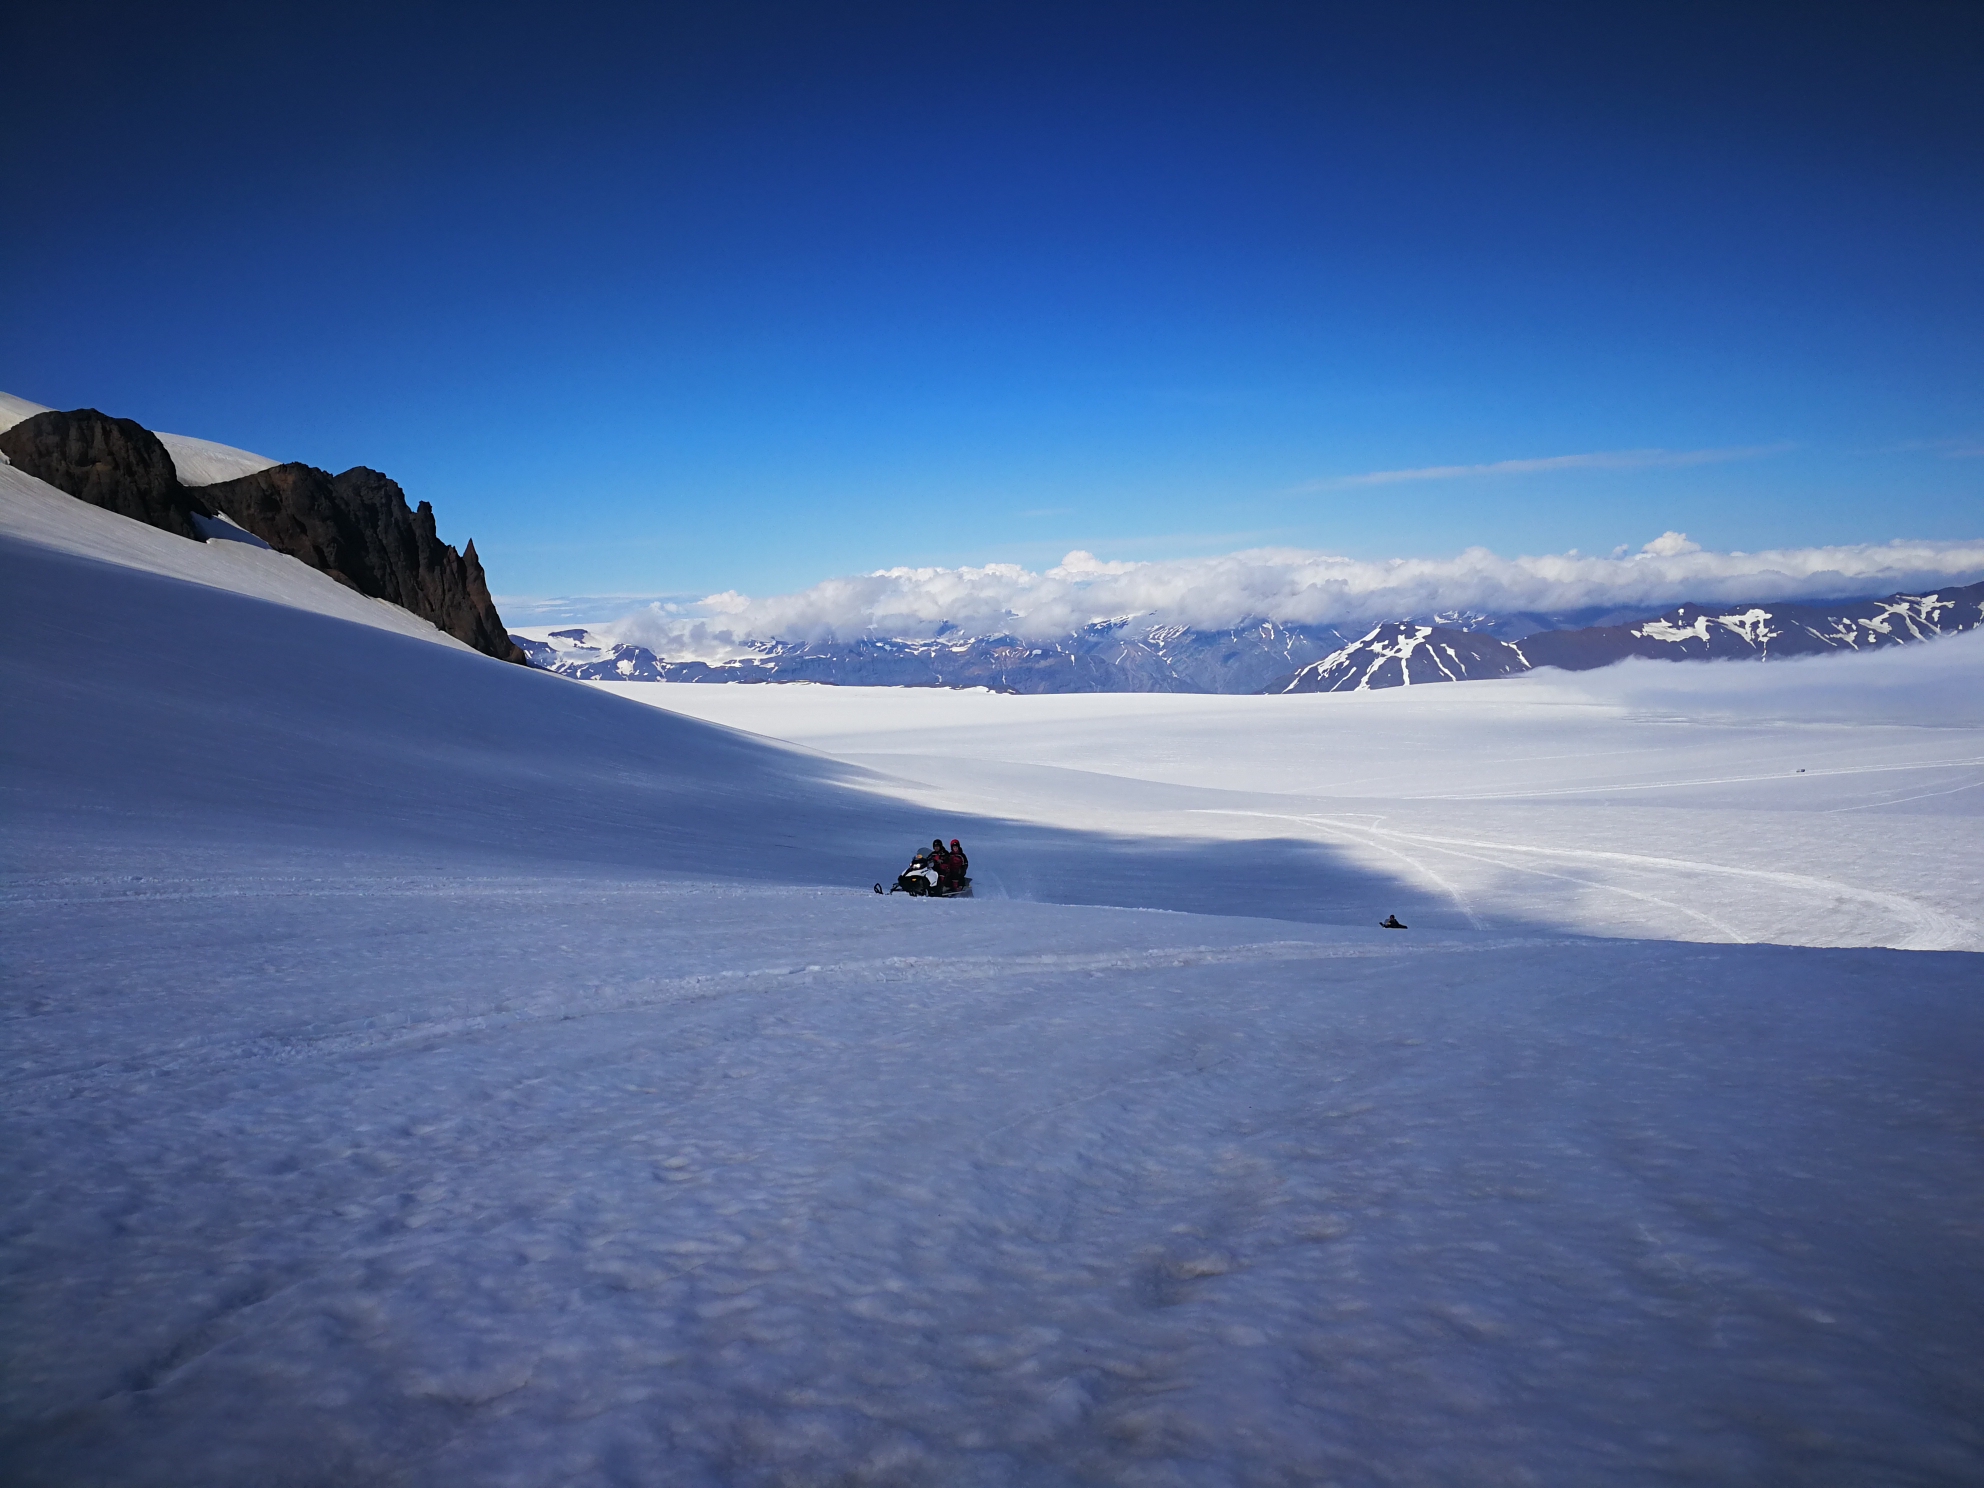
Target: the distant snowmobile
pixel 1390 922
pixel 921 879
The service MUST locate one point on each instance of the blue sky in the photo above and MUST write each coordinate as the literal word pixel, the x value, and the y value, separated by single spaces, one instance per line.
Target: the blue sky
pixel 674 300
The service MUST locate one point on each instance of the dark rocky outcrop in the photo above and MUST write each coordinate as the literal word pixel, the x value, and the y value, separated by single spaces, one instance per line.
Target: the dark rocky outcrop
pixel 113 463
pixel 357 528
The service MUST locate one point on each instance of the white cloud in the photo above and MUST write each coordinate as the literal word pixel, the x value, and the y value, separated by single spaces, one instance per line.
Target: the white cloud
pixel 1670 545
pixel 1284 584
pixel 1637 459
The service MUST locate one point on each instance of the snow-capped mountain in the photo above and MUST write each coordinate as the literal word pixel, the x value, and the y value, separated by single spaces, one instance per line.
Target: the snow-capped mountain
pixel 1402 653
pixel 1108 656
pixel 1132 654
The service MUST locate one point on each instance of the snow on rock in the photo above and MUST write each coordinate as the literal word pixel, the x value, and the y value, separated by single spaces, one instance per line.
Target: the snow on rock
pixel 13 410
pixel 201 462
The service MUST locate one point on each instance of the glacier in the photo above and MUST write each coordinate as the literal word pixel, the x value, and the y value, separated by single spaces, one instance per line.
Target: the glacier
pixel 419 1069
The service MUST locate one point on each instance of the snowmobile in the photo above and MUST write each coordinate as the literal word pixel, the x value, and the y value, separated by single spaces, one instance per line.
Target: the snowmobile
pixel 921 880
pixel 1390 922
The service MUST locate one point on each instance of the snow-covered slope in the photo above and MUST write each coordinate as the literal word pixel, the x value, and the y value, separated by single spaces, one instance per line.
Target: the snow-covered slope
pixel 13 410
pixel 201 462
pixel 416 1069
pixel 37 513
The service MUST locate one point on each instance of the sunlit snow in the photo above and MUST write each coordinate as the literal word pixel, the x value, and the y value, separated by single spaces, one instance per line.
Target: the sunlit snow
pixel 419 1069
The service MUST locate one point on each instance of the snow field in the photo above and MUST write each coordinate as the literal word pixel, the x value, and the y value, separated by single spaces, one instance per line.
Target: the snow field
pixel 1831 801
pixel 583 1180
pixel 414 1069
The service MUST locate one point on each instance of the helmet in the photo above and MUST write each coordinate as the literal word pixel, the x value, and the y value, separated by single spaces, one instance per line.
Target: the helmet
pixel 954 842
pixel 938 843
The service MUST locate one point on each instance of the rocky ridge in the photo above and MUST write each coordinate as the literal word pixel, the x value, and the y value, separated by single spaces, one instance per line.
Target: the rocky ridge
pixel 355 527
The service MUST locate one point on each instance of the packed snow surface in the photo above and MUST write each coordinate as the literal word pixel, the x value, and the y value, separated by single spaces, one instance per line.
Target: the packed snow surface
pixel 421 1070
pixel 1835 800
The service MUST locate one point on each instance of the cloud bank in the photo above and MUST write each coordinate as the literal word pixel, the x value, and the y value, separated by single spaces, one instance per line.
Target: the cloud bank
pixel 1285 585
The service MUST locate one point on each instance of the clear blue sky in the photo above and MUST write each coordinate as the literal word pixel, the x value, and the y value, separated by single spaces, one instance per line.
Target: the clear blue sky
pixel 675 299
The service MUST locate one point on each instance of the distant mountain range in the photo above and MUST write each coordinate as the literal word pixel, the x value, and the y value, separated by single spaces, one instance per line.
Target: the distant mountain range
pixel 1402 652
pixel 1109 656
pixel 1123 656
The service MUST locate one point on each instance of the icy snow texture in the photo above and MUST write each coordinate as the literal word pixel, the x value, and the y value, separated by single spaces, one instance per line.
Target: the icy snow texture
pixel 420 1070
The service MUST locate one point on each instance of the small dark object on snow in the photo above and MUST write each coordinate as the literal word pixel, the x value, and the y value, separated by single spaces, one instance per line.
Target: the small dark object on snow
pixel 1390 922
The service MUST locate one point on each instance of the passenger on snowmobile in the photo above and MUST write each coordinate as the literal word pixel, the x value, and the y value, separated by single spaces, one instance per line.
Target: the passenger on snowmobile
pixel 953 866
pixel 1390 922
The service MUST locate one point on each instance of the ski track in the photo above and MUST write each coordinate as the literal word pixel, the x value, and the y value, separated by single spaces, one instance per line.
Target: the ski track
pixel 1656 785
pixel 1925 928
pixel 1379 835
pixel 1929 929
pixel 1899 800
